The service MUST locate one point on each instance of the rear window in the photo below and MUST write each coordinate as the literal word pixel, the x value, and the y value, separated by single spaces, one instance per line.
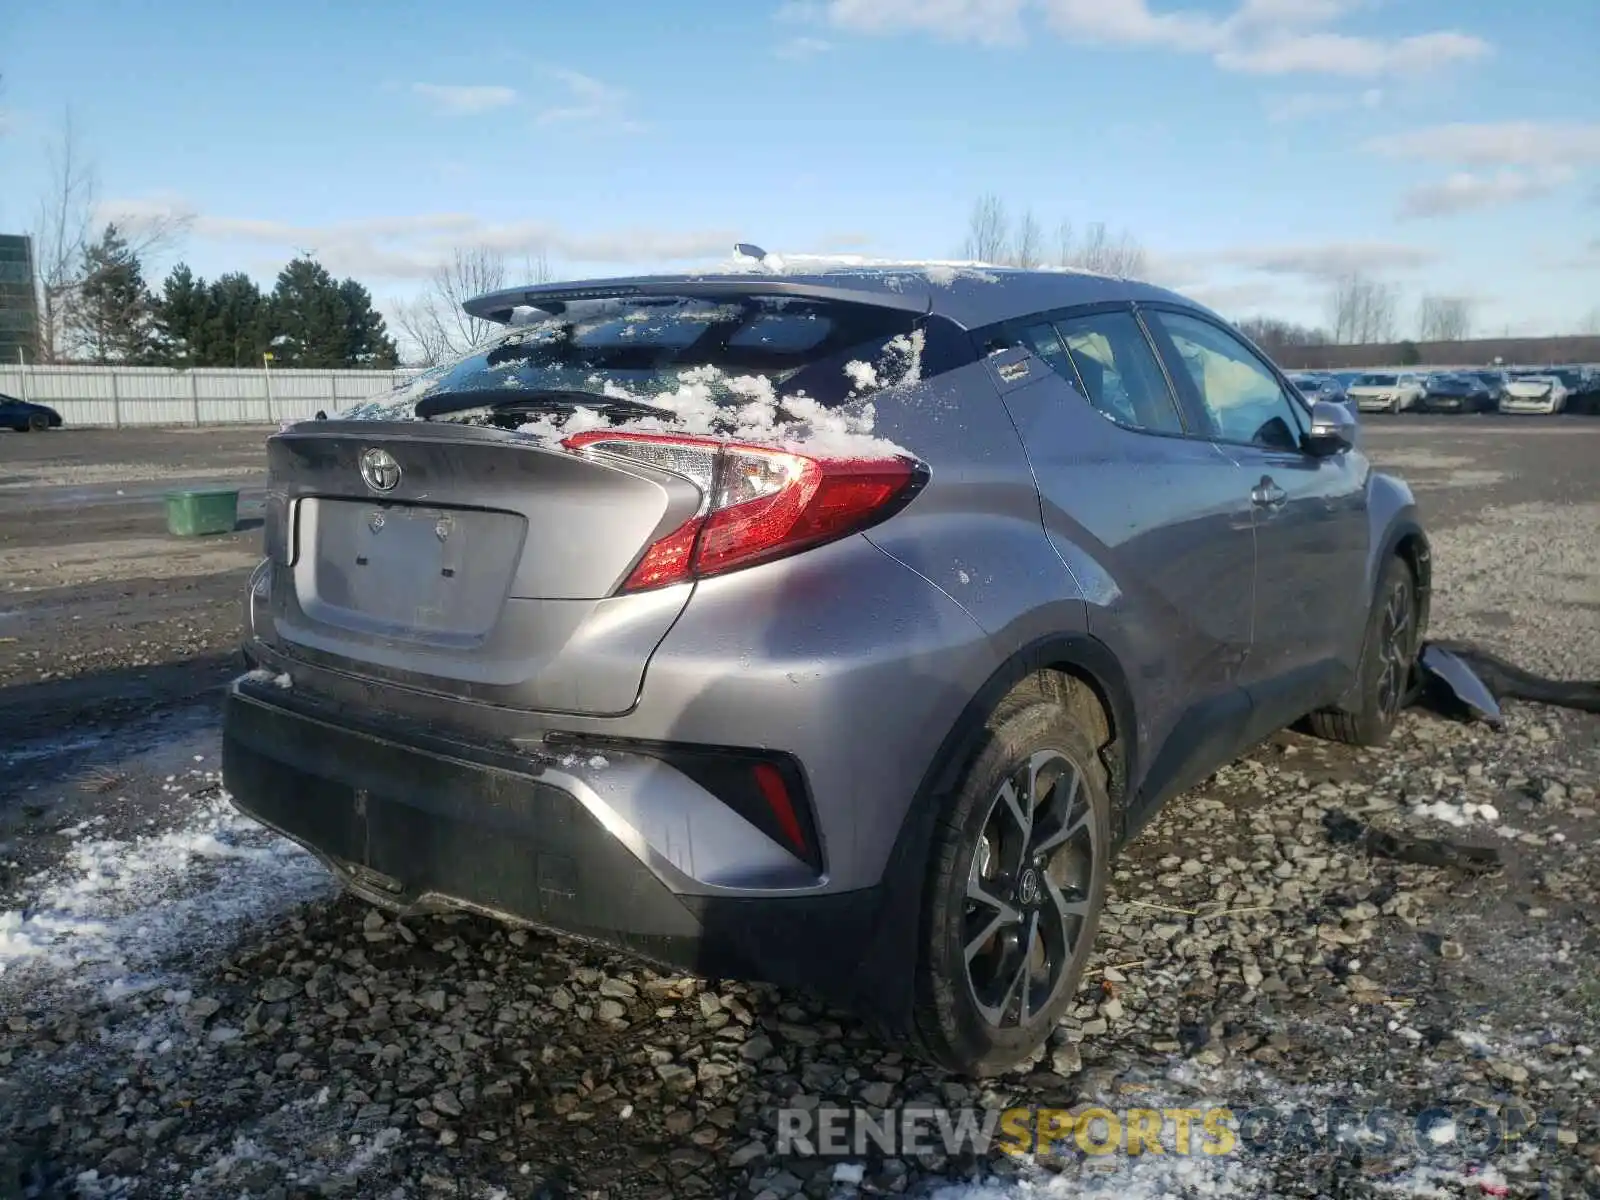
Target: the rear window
pixel 724 353
pixel 1374 381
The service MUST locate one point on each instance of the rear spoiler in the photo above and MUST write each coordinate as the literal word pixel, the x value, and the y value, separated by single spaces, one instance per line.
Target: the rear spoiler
pixel 553 298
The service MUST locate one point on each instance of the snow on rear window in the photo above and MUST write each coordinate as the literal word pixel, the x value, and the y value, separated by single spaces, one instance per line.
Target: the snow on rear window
pixel 706 364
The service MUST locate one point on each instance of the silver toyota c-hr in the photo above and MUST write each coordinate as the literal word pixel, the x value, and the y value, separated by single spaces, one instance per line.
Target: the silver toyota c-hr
pixel 831 629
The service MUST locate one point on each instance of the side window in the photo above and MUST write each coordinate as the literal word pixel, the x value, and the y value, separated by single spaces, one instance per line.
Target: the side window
pixel 1046 343
pixel 1243 401
pixel 1120 372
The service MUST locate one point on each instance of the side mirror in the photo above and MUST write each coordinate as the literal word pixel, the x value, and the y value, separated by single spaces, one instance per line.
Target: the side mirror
pixel 1333 429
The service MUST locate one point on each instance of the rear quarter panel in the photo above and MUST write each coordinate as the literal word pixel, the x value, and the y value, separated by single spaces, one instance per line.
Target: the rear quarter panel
pixel 976 531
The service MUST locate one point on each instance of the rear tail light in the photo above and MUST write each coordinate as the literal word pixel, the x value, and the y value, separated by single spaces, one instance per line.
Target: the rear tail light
pixel 762 502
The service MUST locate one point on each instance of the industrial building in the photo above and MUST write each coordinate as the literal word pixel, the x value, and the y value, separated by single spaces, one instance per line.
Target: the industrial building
pixel 19 305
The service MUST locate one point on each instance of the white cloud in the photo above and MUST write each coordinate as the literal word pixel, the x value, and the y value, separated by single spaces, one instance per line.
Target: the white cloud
pixel 464 100
pixel 800 12
pixel 800 48
pixel 989 21
pixel 1298 106
pixel 1280 13
pixel 1249 296
pixel 1502 143
pixel 1503 162
pixel 588 101
pixel 1132 23
pixel 1259 37
pixel 408 247
pixel 1323 261
pixel 1325 53
pixel 1465 191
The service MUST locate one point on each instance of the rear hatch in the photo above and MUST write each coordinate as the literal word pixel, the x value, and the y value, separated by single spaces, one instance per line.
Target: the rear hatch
pixel 483 569
pixel 441 538
pixel 1529 389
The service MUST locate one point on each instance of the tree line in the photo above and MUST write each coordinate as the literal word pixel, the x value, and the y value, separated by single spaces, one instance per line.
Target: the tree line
pixel 96 306
pixel 309 319
pixel 1359 309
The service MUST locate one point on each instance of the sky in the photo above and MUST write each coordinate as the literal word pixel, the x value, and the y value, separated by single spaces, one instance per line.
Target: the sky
pixel 1256 148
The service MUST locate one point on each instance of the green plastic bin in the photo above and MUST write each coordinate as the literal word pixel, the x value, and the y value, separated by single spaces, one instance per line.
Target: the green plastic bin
pixel 201 512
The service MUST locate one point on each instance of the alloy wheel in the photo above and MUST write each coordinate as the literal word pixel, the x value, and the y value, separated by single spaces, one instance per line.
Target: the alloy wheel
pixel 1029 890
pixel 1394 650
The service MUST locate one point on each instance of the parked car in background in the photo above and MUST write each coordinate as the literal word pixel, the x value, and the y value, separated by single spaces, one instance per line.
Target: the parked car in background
pixel 1456 391
pixel 1495 380
pixel 26 417
pixel 622 651
pixel 1534 393
pixel 1316 386
pixel 1583 387
pixel 1379 391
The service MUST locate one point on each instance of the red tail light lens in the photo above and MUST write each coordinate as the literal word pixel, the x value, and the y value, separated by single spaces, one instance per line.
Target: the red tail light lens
pixel 763 502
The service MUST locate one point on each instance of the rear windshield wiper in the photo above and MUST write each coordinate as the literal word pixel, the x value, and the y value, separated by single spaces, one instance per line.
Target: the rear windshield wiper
pixel 531 400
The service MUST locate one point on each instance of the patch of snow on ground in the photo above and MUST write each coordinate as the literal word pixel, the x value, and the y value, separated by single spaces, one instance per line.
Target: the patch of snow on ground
pixel 113 913
pixel 1146 1177
pixel 1459 815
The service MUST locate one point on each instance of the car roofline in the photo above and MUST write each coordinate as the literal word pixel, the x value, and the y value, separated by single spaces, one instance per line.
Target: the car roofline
pixel 971 297
pixel 498 306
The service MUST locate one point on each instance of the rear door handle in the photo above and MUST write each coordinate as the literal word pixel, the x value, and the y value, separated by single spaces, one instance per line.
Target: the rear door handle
pixel 1267 494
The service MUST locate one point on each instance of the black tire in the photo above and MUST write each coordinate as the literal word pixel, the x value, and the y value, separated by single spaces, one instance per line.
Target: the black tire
pixel 1388 655
pixel 1044 731
pixel 38 422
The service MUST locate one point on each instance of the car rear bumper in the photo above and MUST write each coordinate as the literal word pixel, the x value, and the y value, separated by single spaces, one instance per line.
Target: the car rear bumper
pixel 415 824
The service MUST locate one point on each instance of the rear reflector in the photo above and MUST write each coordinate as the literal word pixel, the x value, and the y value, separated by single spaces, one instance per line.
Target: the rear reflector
pixel 762 502
pixel 765 787
pixel 776 794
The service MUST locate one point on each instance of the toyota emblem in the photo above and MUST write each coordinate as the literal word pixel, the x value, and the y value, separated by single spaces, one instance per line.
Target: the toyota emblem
pixel 380 470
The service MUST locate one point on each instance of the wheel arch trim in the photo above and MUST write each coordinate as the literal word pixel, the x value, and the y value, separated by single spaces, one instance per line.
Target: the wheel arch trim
pixel 904 880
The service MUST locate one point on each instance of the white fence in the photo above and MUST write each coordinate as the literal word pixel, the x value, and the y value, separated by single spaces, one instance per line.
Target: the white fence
pixel 118 396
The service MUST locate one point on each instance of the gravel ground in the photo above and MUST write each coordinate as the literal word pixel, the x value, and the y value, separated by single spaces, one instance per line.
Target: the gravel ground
pixel 186 1007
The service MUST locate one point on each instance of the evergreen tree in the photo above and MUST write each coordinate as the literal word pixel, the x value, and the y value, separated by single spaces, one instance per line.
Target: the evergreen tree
pixel 309 317
pixel 112 316
pixel 182 312
pixel 236 330
pixel 367 340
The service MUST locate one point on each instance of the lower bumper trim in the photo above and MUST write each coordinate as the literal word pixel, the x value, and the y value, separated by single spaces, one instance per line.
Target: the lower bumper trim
pixel 415 829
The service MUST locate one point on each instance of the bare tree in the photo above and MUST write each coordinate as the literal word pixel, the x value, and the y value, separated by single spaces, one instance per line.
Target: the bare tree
pixel 536 267
pixel 1027 243
pixel 63 231
pixel 991 238
pixel 988 231
pixel 1444 319
pixel 1103 252
pixel 1590 325
pixel 1383 306
pixel 61 235
pixel 1362 310
pixel 437 324
pixel 1274 335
